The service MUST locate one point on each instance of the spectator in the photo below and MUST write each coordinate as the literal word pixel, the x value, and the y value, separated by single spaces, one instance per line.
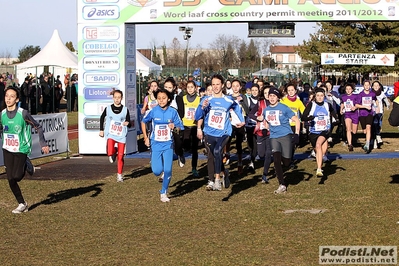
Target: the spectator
pixel 47 93
pixel 24 93
pixel 2 88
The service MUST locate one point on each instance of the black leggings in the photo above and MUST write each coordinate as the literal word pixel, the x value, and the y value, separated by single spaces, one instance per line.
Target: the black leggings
pixel 251 140
pixel 278 167
pixel 15 169
pixel 177 139
pixel 190 142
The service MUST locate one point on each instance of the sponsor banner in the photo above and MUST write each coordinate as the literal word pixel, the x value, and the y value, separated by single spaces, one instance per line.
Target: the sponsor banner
pixel 101 63
pixel 101 33
pixel 94 108
pixel 101 78
pixel 55 129
pixel 101 48
pixel 91 124
pixel 357 59
pixel 91 12
pixel 130 78
pixel 98 93
pixel 381 255
pixel 178 11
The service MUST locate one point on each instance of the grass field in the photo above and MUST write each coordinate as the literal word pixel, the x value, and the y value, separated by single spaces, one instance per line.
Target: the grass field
pixel 107 223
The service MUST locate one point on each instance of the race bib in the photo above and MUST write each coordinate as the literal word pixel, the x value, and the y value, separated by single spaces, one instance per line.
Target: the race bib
pixel 162 133
pixel 348 105
pixel 367 101
pixel 262 125
pixel 273 118
pixel 216 119
pixel 189 113
pixel 116 128
pixel 11 142
pixel 321 123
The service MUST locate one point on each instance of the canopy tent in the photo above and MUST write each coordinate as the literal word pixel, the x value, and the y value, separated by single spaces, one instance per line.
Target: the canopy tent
pixel 145 66
pixel 55 53
pixel 267 72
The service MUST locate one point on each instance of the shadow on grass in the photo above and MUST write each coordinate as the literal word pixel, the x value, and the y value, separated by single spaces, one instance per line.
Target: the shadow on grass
pixel 395 179
pixel 138 172
pixel 190 183
pixel 294 177
pixel 69 193
pixel 330 169
pixel 242 185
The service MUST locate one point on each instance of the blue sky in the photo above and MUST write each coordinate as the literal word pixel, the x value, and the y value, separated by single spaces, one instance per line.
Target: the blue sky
pixel 32 22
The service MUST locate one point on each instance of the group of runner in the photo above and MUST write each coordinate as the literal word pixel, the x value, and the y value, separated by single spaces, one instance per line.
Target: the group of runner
pixel 269 119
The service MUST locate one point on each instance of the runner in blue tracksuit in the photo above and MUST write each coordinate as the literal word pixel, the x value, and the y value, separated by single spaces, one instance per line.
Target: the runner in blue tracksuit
pixel 165 120
pixel 214 113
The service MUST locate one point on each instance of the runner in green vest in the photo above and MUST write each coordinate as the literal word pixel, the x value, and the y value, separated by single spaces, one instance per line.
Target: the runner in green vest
pixel 17 144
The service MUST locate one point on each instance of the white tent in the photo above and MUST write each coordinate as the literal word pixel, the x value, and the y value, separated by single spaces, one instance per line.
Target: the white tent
pixel 267 72
pixel 55 53
pixel 145 66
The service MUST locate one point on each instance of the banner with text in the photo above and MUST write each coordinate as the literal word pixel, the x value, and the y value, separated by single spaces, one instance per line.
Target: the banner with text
pixel 158 11
pixel 357 59
pixel 55 128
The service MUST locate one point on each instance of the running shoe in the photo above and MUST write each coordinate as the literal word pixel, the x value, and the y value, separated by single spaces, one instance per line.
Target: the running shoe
pixel 319 173
pixel 22 207
pixel 181 160
pixel 313 154
pixel 226 159
pixel 210 185
pixel 375 144
pixel 329 140
pixel 350 147
pixel 112 158
pixel 379 139
pixel 218 185
pixel 29 167
pixel 265 180
pixel 160 179
pixel 251 165
pixel 281 189
pixel 164 198
pixel 366 148
pixel 119 178
pixel 195 173
pixel 325 159
pixel 226 179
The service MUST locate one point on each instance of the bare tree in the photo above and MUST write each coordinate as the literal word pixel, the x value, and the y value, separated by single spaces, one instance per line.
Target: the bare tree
pixel 263 45
pixel 175 58
pixel 6 57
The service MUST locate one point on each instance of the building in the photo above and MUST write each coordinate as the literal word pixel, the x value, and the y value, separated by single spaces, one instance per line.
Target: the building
pixel 288 60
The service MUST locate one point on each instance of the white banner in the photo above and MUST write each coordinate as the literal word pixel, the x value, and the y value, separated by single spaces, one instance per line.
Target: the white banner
pixel 357 59
pixel 191 11
pixel 55 128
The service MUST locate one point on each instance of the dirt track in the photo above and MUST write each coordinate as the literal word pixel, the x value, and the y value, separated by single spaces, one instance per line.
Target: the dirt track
pixel 83 167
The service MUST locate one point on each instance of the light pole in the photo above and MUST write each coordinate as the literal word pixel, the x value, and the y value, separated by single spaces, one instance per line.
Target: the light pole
pixel 187 32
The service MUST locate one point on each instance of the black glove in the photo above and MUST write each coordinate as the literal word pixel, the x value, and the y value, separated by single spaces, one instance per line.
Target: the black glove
pixel 295 139
pixel 310 118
